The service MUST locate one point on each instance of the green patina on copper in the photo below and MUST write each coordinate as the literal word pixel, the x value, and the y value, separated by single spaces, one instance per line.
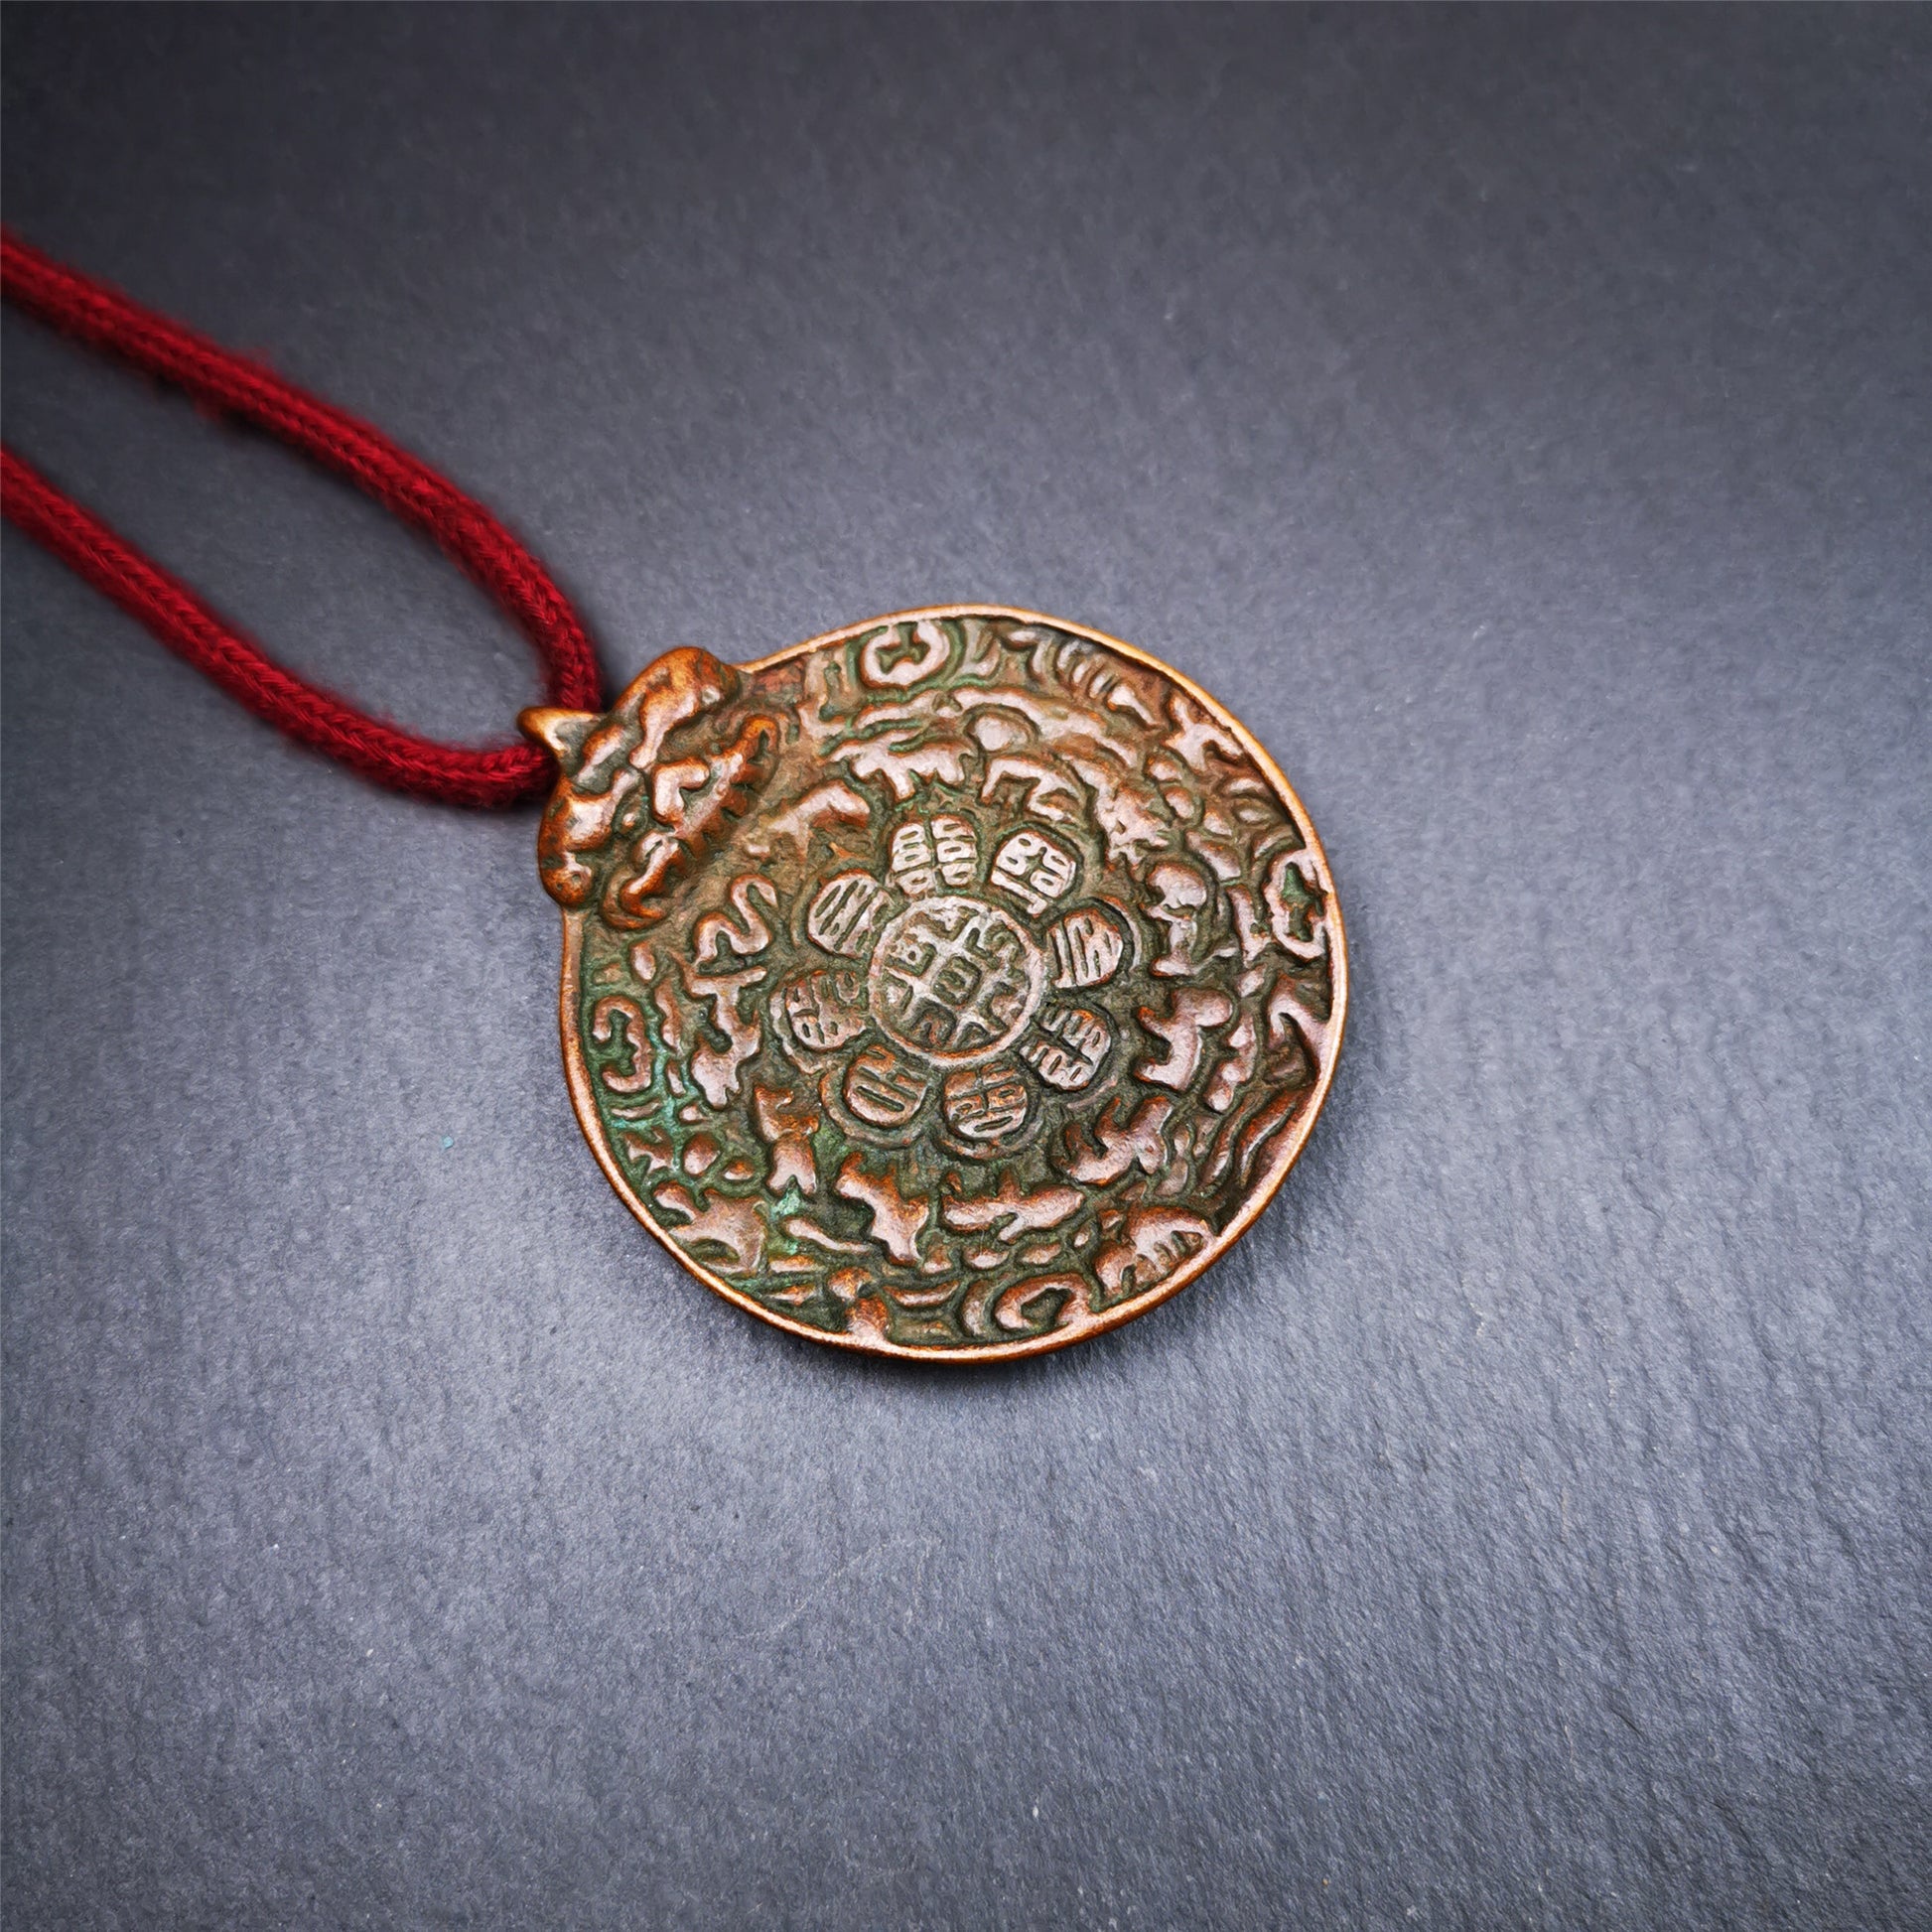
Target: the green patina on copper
pixel 955 983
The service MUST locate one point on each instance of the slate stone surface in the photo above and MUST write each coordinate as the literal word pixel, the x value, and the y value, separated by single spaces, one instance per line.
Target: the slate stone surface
pixel 1522 419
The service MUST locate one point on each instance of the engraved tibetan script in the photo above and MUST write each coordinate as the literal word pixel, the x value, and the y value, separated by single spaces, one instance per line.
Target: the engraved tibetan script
pixel 947 986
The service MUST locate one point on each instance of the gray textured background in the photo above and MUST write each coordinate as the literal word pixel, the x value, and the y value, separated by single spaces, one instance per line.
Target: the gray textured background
pixel 1522 419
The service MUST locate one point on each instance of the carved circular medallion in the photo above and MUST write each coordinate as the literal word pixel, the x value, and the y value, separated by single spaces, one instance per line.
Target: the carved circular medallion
pixel 954 980
pixel 957 985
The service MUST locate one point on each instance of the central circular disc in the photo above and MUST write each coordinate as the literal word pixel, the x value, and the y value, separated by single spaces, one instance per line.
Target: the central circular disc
pixel 954 980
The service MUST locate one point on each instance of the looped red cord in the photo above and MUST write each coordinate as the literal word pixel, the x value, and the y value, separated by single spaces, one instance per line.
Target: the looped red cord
pixel 105 320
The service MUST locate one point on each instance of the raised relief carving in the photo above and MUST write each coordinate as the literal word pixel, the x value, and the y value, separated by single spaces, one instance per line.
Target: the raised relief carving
pixel 1293 894
pixel 1034 870
pixel 746 934
pixel 1068 1046
pixel 898 1221
pixel 986 1106
pixel 725 1231
pixel 786 1124
pixel 714 1067
pixel 825 1008
pixel 1155 1240
pixel 613 1017
pixel 949 986
pixel 1088 946
pixel 955 979
pixel 1180 894
pixel 1115 1146
pixel 846 911
pixel 1195 1011
pixel 822 809
pixel 956 850
pixel 895 659
pixel 1011 1211
pixel 884 1089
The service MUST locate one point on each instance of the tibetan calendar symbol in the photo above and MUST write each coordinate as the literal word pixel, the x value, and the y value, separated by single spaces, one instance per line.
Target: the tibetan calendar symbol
pixel 957 985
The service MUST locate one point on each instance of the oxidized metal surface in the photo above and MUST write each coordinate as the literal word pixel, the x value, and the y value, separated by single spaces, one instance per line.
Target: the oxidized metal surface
pixel 957 985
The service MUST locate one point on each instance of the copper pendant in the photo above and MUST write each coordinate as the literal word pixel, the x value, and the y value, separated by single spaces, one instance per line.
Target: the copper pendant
pixel 955 986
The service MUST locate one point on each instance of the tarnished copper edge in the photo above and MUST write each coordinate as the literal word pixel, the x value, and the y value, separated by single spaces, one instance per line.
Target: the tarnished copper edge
pixel 583 1101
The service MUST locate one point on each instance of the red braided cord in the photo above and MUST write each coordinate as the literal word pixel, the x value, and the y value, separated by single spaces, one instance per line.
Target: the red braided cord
pixel 106 320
